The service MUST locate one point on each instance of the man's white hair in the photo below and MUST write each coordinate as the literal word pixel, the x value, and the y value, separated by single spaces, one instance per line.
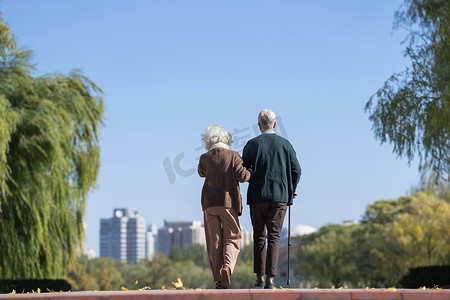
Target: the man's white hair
pixel 214 135
pixel 266 118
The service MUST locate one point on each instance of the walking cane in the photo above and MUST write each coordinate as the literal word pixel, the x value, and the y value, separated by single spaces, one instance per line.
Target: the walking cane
pixel 289 245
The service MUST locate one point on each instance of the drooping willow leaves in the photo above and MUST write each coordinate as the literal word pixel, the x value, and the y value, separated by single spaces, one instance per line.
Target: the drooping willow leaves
pixel 412 109
pixel 49 161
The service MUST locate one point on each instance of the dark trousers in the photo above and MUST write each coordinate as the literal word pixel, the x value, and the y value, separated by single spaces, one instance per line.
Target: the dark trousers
pixel 267 220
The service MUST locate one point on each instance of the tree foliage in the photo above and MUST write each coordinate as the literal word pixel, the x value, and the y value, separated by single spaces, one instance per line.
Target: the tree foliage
pixel 195 252
pixel 412 109
pixel 79 278
pixel 187 264
pixel 326 259
pixel 394 236
pixel 49 161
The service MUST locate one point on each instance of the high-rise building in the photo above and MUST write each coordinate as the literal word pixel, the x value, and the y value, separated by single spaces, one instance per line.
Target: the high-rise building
pixel 247 237
pixel 80 248
pixel 122 237
pixel 151 241
pixel 180 234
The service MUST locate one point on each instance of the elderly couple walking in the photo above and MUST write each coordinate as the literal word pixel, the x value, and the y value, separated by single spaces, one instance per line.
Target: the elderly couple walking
pixel 270 165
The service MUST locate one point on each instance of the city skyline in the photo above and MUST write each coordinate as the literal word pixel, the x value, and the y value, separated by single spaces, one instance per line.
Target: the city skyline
pixel 127 237
pixel 169 69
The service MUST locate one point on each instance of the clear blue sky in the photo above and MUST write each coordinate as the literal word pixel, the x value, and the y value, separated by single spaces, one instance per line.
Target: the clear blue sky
pixel 170 68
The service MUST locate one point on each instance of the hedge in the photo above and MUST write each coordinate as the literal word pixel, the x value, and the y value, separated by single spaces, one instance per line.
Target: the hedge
pixel 30 285
pixel 430 277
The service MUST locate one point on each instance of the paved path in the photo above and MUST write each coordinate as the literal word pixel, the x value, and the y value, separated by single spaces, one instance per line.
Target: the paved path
pixel 248 294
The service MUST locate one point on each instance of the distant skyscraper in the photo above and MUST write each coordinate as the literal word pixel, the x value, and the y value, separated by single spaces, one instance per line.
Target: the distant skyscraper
pixel 247 238
pixel 80 249
pixel 122 237
pixel 180 234
pixel 151 241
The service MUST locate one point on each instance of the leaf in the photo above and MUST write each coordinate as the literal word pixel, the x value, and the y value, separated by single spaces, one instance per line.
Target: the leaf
pixel 178 284
pixel 124 288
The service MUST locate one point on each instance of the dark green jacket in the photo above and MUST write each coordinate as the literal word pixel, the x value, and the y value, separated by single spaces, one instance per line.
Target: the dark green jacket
pixel 276 171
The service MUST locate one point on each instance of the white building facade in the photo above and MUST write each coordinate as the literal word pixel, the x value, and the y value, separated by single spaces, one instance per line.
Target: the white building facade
pixel 123 237
pixel 151 242
pixel 247 238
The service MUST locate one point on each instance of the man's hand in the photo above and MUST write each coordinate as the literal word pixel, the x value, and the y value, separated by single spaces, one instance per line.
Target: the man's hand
pixel 295 195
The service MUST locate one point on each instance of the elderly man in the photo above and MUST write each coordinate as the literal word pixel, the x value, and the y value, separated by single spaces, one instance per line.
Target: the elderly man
pixel 276 173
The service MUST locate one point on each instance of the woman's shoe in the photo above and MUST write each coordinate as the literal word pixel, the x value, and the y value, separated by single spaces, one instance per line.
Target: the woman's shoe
pixel 226 277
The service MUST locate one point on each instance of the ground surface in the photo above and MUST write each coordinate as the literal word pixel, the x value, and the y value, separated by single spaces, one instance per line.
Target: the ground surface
pixel 248 294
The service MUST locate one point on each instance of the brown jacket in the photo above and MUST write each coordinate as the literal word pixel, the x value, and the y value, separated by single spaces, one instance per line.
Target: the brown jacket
pixel 223 168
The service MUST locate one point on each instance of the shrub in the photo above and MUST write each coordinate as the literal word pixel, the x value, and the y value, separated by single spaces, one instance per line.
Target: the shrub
pixel 430 277
pixel 30 285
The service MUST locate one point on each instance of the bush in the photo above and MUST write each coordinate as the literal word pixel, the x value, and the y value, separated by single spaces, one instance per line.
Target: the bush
pixel 29 285
pixel 430 277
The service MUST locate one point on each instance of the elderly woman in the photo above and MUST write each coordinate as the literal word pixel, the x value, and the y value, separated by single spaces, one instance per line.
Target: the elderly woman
pixel 221 202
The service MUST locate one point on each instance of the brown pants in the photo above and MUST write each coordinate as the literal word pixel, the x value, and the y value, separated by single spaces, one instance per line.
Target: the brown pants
pixel 270 216
pixel 223 237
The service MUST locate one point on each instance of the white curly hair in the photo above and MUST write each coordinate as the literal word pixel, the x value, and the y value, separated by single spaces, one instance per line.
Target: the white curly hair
pixel 214 135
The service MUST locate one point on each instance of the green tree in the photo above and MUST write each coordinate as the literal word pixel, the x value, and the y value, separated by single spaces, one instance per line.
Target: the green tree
pixel 413 236
pixel 383 254
pixel 108 277
pixel 49 161
pixel 328 259
pixel 110 274
pixel 79 278
pixel 193 276
pixel 132 273
pixel 385 211
pixel 107 273
pixel 158 269
pixel 245 255
pixel 424 231
pixel 243 276
pixel 394 236
pixel 196 253
pixel 412 109
pixel 192 266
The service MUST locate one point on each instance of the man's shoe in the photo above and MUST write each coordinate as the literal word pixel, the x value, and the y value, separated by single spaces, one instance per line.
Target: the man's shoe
pixel 259 281
pixel 269 282
pixel 226 277
pixel 219 285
